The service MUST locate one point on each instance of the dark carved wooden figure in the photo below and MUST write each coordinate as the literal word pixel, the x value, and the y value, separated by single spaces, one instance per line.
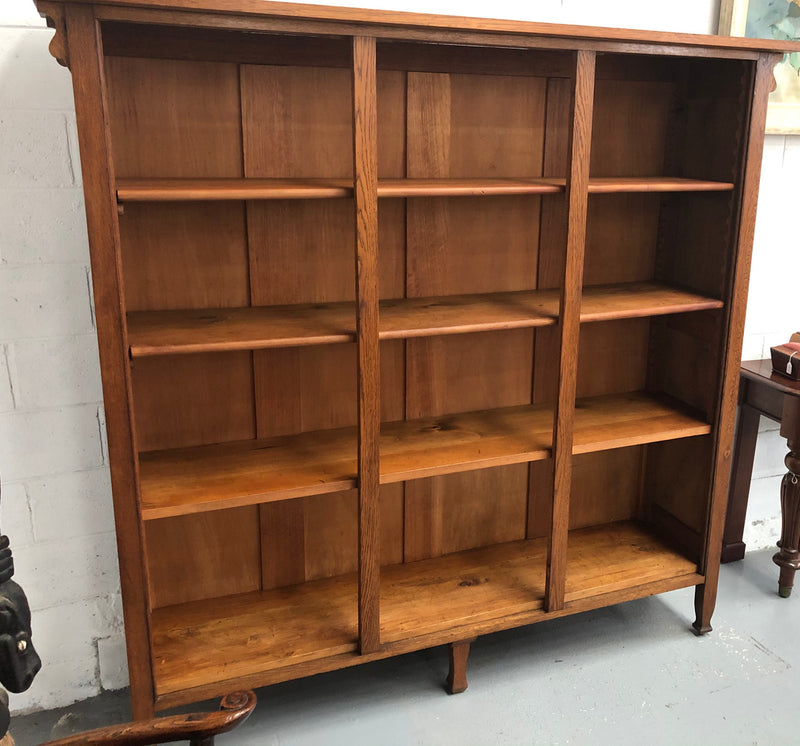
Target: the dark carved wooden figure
pixel 19 662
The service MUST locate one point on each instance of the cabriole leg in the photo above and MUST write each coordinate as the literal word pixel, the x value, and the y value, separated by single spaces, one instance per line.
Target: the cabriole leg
pixel 457 678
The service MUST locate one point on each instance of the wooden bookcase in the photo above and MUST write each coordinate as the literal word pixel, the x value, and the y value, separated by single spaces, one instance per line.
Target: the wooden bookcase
pixel 412 328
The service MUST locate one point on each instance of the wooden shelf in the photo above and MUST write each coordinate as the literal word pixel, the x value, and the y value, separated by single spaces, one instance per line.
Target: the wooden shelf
pixel 216 189
pixel 227 329
pixel 250 635
pixel 604 185
pixel 200 190
pixel 192 480
pixel 640 299
pixel 467 187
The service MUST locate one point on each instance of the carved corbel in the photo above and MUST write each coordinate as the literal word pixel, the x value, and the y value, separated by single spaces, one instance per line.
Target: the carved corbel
pixel 53 13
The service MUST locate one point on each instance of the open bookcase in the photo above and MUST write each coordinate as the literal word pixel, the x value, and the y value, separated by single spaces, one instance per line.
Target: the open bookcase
pixel 411 328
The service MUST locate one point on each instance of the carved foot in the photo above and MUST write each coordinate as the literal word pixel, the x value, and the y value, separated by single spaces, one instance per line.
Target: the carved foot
pixel 705 598
pixel 788 558
pixel 457 678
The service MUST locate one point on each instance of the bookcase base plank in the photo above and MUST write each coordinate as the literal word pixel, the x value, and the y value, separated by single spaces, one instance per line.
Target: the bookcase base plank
pixel 270 636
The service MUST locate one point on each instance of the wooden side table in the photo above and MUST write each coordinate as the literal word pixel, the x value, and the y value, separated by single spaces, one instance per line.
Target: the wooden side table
pixel 763 392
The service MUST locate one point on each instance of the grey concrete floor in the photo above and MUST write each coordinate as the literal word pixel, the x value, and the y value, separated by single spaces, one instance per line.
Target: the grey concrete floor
pixel 629 674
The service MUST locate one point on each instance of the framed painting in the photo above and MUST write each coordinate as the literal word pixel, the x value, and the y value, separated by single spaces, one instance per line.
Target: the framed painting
pixel 771 19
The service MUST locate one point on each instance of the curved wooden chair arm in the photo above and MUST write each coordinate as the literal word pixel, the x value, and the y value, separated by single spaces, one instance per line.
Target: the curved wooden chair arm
pixel 199 728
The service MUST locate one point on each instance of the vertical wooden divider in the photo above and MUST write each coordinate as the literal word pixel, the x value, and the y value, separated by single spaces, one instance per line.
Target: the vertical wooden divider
pixel 365 173
pixel 577 192
pixel 706 593
pixel 88 79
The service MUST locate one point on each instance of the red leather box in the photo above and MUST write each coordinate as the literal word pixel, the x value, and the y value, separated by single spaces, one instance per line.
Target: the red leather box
pixel 786 358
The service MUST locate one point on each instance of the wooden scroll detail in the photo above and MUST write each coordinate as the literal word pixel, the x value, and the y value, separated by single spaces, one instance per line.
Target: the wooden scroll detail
pixel 53 13
pixel 198 728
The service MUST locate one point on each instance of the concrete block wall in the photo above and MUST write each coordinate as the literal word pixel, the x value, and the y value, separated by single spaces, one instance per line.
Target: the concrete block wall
pixel 54 478
pixel 56 504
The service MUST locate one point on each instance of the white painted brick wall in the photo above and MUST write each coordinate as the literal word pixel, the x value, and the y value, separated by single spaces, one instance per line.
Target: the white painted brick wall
pixel 56 503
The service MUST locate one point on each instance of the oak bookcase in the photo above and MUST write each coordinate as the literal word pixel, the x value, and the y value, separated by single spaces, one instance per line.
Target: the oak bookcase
pixel 412 328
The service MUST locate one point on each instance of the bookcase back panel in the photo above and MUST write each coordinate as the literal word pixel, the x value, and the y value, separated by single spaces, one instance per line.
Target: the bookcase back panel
pixel 471 126
pixel 193 400
pixel 228 562
pixel 677 486
pixel 612 357
pixel 712 121
pixel 311 388
pixel 297 121
pixel 316 537
pixel 621 238
pixel 623 110
pixel 301 251
pixel 606 486
pixel 468 126
pixel 174 118
pixel 695 242
pixel 540 499
pixel 466 372
pixel 685 359
pixel 439 511
pixel 457 374
pixel 184 256
pixel 462 245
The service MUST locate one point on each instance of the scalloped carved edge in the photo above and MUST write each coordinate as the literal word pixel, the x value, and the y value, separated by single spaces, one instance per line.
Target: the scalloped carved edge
pixel 776 60
pixel 53 13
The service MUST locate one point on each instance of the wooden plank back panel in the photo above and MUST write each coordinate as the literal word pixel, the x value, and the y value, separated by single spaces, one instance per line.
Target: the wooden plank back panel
pixel 706 134
pixel 606 486
pixel 623 110
pixel 197 400
pixel 184 256
pixel 456 374
pixel 612 357
pixel 707 131
pixel 677 482
pixel 461 126
pixel 621 238
pixel 309 246
pixel 174 119
pixel 297 121
pixel 182 119
pixel 684 359
pixel 229 540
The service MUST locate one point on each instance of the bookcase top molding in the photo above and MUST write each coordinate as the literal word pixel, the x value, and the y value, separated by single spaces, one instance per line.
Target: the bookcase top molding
pixel 323 19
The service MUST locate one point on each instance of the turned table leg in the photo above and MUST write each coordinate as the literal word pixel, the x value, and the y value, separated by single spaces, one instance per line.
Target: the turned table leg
pixel 788 559
pixel 457 678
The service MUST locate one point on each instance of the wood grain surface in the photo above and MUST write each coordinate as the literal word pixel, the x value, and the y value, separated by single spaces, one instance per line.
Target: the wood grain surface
pixel 211 477
pixel 480 586
pixel 252 328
